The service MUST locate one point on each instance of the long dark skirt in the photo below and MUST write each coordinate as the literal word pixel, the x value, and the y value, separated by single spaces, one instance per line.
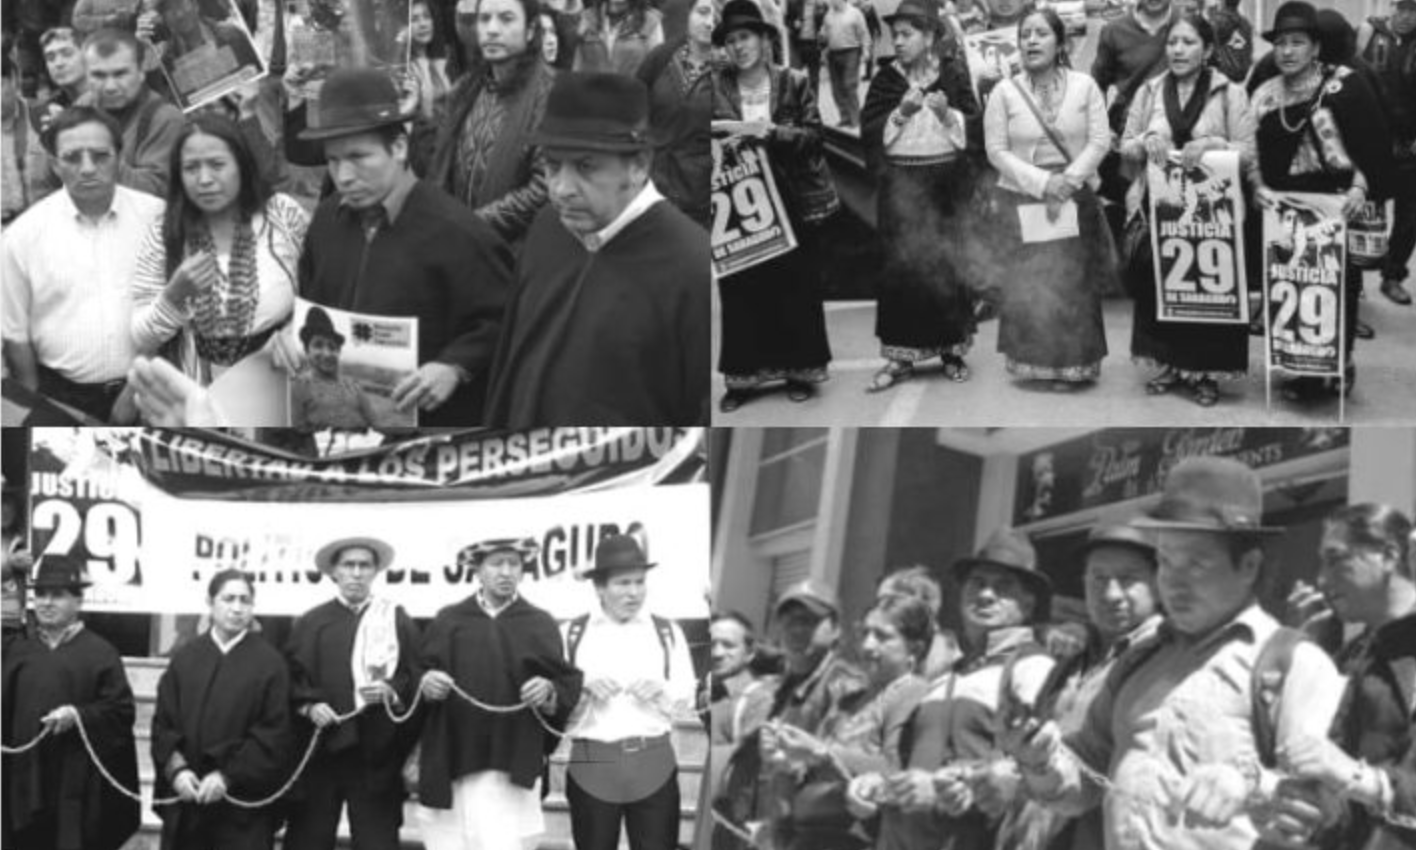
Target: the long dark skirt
pixel 925 307
pixel 1195 350
pixel 1050 322
pixel 773 325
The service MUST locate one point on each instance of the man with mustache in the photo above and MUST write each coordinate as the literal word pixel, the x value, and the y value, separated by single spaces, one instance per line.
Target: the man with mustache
pixel 1174 730
pixel 609 323
pixel 479 772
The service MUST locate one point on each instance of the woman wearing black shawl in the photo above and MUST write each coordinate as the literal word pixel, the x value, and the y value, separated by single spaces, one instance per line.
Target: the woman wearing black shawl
pixel 1320 129
pixel 1191 109
pixel 915 136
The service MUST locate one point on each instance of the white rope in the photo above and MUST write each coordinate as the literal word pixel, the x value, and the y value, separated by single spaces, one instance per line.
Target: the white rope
pixel 475 703
pixel 736 830
pixel 24 748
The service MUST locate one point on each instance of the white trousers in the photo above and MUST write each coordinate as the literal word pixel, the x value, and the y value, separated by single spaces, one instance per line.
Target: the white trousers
pixel 488 813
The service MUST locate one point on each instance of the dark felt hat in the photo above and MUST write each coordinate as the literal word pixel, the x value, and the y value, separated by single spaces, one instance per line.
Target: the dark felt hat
pixel 597 112
pixel 741 15
pixel 1210 494
pixel 325 558
pixel 472 556
pixel 1125 535
pixel 1295 16
pixel 59 572
pixel 818 600
pixel 1011 550
pixel 920 12
pixel 618 552
pixel 354 100
pixel 318 323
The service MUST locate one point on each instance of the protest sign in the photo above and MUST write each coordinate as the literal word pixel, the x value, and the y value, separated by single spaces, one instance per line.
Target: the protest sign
pixel 152 535
pixel 203 56
pixel 750 223
pixel 353 362
pixel 325 35
pixel 1196 219
pixel 1305 255
pixel 992 55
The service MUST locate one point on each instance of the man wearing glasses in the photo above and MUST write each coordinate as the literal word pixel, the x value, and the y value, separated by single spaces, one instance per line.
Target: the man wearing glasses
pixel 67 263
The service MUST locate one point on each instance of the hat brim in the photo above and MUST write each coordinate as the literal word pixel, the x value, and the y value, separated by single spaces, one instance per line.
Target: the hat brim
pixel 1162 524
pixel 59 585
pixel 322 134
pixel 561 141
pixel 1038 582
pixel 605 571
pixel 815 606
pixel 306 336
pixel 324 558
pixel 1274 33
pixel 919 20
pixel 723 30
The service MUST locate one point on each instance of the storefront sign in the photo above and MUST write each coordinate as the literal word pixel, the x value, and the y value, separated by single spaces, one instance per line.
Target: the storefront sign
pixel 1305 255
pixel 1119 464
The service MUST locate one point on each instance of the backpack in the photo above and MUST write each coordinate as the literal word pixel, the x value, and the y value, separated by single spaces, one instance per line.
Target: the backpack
pixel 663 627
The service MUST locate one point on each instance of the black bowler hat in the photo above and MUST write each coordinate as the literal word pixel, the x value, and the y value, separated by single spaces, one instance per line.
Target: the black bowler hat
pixel 618 552
pixel 318 323
pixel 1011 550
pixel 354 100
pixel 741 15
pixel 1210 493
pixel 1295 16
pixel 919 12
pixel 596 111
pixel 59 572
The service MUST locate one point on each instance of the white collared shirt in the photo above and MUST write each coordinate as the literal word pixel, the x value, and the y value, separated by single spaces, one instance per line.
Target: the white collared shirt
pixel 491 610
pixel 625 653
pixel 647 197
pixel 227 646
pixel 67 283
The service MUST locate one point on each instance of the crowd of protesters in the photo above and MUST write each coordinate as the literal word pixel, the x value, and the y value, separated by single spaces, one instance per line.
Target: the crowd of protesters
pixel 382 710
pixel 1185 716
pixel 532 186
pixel 951 158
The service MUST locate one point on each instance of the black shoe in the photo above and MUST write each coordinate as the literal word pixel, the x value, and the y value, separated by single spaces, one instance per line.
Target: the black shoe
pixel 733 399
pixel 1364 331
pixel 1396 292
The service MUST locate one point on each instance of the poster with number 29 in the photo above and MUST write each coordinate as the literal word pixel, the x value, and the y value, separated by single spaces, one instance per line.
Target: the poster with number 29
pixel 1305 257
pixel 750 223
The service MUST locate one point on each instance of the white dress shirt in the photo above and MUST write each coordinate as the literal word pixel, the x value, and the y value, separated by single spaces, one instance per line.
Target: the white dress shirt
pixel 647 197
pixel 67 283
pixel 625 653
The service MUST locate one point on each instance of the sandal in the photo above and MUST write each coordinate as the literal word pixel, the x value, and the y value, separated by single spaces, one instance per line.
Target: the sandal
pixel 955 369
pixel 892 373
pixel 1206 392
pixel 799 391
pixel 732 400
pixel 1162 383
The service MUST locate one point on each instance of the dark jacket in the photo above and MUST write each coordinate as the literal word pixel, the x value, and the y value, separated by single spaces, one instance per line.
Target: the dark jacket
pixel 437 262
pixel 798 158
pixel 514 188
pixel 683 161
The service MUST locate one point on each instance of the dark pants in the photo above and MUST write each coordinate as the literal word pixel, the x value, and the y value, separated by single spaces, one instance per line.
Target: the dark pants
pixel 374 798
pixel 1403 225
pixel 652 823
pixel 808 58
pixel 41 834
pixel 844 66
pixel 96 400
pixel 218 827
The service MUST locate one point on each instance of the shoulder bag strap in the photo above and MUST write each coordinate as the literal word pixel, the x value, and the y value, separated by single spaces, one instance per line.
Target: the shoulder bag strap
pixel 1037 113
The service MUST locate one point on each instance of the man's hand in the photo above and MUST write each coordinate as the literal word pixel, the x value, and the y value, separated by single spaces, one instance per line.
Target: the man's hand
pixel 602 690
pixel 538 691
pixel 427 388
pixel 1300 808
pixel 1032 745
pixel 1213 795
pixel 322 715
pixel 212 789
pixel 147 25
pixel 1320 760
pixel 911 790
pixel 186 786
pixel 995 787
pixel 61 719
pixel 647 691
pixel 125 407
pixel 436 685
pixel 952 791
pixel 377 693
pixel 862 795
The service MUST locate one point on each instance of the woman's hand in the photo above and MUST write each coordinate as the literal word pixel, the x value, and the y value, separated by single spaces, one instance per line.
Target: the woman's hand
pixel 1157 149
pixel 196 275
pixel 1190 155
pixel 938 103
pixel 862 795
pixel 1265 198
pixel 912 102
pixel 1353 201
